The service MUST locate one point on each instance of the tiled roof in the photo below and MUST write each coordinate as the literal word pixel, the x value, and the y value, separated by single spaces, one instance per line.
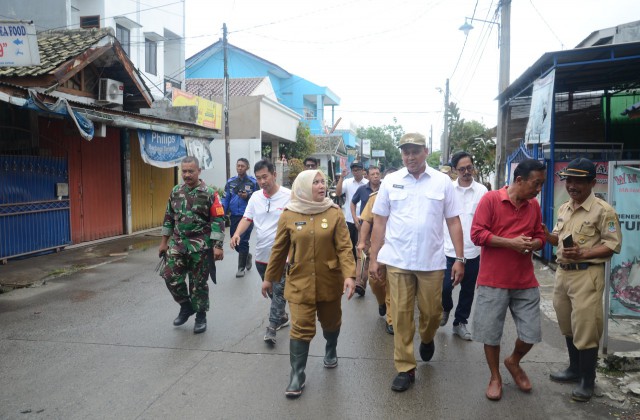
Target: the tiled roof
pixel 208 88
pixel 327 145
pixel 56 47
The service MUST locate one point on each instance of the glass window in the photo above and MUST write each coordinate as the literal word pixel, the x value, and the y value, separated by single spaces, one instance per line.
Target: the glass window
pixel 90 21
pixel 151 56
pixel 124 36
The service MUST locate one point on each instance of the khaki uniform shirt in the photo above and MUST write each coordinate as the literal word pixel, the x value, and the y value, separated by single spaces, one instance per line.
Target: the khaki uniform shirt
pixel 367 214
pixel 318 248
pixel 593 223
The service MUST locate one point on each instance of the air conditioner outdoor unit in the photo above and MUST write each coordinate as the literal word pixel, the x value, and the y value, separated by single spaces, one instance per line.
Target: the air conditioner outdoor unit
pixel 111 92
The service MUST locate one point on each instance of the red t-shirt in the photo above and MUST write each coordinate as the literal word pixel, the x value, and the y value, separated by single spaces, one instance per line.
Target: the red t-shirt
pixel 505 268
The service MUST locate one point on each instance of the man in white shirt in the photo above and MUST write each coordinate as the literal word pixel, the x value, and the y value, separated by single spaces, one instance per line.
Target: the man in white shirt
pixel 468 193
pixel 348 187
pixel 408 216
pixel 263 210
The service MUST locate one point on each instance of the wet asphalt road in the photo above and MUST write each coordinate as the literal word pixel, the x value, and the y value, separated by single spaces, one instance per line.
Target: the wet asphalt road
pixel 100 344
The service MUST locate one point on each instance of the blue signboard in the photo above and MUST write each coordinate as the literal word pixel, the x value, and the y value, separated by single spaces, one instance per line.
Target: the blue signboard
pixel 161 149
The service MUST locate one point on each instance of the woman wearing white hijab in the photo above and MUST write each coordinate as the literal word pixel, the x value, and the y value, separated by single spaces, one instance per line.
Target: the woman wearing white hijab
pixel 314 239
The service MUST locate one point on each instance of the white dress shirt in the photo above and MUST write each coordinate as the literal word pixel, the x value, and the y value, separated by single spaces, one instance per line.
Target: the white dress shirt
pixel 468 197
pixel 349 187
pixel 416 209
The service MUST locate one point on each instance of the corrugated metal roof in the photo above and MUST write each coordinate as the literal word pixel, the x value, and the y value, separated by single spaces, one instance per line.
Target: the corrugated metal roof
pixel 56 47
pixel 208 88
pixel 612 67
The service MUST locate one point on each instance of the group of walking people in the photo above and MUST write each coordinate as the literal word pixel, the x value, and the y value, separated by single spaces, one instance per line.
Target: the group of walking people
pixel 421 235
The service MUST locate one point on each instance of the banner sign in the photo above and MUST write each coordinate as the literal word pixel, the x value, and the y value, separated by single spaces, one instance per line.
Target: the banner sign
pixel 624 293
pixel 61 107
pixel 209 112
pixel 200 148
pixel 377 153
pixel 18 44
pixel 366 147
pixel 539 124
pixel 162 150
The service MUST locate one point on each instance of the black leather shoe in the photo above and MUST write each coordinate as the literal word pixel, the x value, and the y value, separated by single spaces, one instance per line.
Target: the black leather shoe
pixel 382 309
pixel 201 323
pixel 360 291
pixel 403 381
pixel 185 313
pixel 389 329
pixel 427 350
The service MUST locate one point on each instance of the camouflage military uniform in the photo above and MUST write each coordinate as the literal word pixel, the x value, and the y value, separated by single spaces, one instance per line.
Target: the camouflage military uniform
pixel 193 220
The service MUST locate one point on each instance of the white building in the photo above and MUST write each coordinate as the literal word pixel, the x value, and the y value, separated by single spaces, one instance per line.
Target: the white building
pixel 152 35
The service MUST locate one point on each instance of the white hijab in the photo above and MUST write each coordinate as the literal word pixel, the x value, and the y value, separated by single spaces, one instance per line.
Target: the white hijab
pixel 302 194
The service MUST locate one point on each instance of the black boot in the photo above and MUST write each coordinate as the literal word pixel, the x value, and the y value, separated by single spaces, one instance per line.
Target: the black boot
pixel 330 353
pixel 572 373
pixel 249 258
pixel 588 362
pixel 298 352
pixel 185 312
pixel 242 264
pixel 201 323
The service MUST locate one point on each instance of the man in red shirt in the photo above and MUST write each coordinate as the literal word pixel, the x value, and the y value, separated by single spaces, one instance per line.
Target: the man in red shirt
pixel 508 226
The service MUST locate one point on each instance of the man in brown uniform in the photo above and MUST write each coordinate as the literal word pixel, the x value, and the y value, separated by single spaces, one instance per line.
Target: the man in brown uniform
pixel 587 234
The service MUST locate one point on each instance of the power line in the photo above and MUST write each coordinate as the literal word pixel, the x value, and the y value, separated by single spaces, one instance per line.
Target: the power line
pixel 547 24
pixel 466 37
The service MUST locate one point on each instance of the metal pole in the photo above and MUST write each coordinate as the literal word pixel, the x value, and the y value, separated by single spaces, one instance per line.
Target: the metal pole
pixel 445 134
pixel 503 83
pixel 227 147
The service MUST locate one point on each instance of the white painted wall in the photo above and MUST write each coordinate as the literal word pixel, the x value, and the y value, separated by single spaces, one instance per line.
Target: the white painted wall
pixel 166 21
pixel 247 148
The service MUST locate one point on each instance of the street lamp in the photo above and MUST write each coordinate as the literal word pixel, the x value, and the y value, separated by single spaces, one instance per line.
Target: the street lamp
pixel 467 27
pixel 504 43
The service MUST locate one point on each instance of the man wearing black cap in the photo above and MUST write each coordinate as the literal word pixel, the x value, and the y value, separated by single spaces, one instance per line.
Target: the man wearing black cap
pixel 587 234
pixel 348 187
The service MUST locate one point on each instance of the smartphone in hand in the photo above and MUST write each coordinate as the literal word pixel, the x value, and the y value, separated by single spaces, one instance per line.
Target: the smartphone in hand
pixel 567 241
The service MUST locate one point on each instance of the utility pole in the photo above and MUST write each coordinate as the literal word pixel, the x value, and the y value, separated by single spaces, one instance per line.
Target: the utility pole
pixel 431 140
pixel 227 147
pixel 503 83
pixel 445 135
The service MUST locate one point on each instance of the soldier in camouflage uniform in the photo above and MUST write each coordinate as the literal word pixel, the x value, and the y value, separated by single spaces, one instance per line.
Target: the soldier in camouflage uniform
pixel 192 224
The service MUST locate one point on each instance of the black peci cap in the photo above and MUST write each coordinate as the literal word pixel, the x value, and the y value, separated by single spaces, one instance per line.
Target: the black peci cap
pixel 580 167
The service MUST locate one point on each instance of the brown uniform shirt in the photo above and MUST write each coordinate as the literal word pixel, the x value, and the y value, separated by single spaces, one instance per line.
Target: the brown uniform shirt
pixel 319 251
pixel 593 223
pixel 366 214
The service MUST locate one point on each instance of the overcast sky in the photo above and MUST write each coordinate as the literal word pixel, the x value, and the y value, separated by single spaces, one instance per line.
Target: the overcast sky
pixel 388 59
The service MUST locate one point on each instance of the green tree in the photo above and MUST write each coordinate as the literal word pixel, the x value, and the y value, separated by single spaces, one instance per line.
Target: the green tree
pixel 474 138
pixel 301 149
pixel 384 138
pixel 433 159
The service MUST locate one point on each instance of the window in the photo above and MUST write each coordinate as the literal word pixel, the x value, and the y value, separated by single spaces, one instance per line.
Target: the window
pixel 151 56
pixel 87 22
pixel 124 36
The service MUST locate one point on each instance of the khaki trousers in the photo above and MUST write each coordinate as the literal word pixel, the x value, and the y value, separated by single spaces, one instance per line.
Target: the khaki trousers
pixel 303 318
pixel 407 286
pixel 381 290
pixel 577 299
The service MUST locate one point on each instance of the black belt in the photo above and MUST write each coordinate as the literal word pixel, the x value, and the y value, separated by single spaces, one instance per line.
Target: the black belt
pixel 577 266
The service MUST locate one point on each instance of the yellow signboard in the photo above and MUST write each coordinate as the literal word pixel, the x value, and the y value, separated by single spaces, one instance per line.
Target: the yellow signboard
pixel 209 112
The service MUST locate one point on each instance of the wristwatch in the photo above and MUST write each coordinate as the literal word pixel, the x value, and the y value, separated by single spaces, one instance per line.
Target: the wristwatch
pixel 218 244
pixel 463 260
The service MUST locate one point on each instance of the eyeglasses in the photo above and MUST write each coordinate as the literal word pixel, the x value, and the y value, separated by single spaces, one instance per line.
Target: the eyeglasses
pixel 464 169
pixel 310 166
